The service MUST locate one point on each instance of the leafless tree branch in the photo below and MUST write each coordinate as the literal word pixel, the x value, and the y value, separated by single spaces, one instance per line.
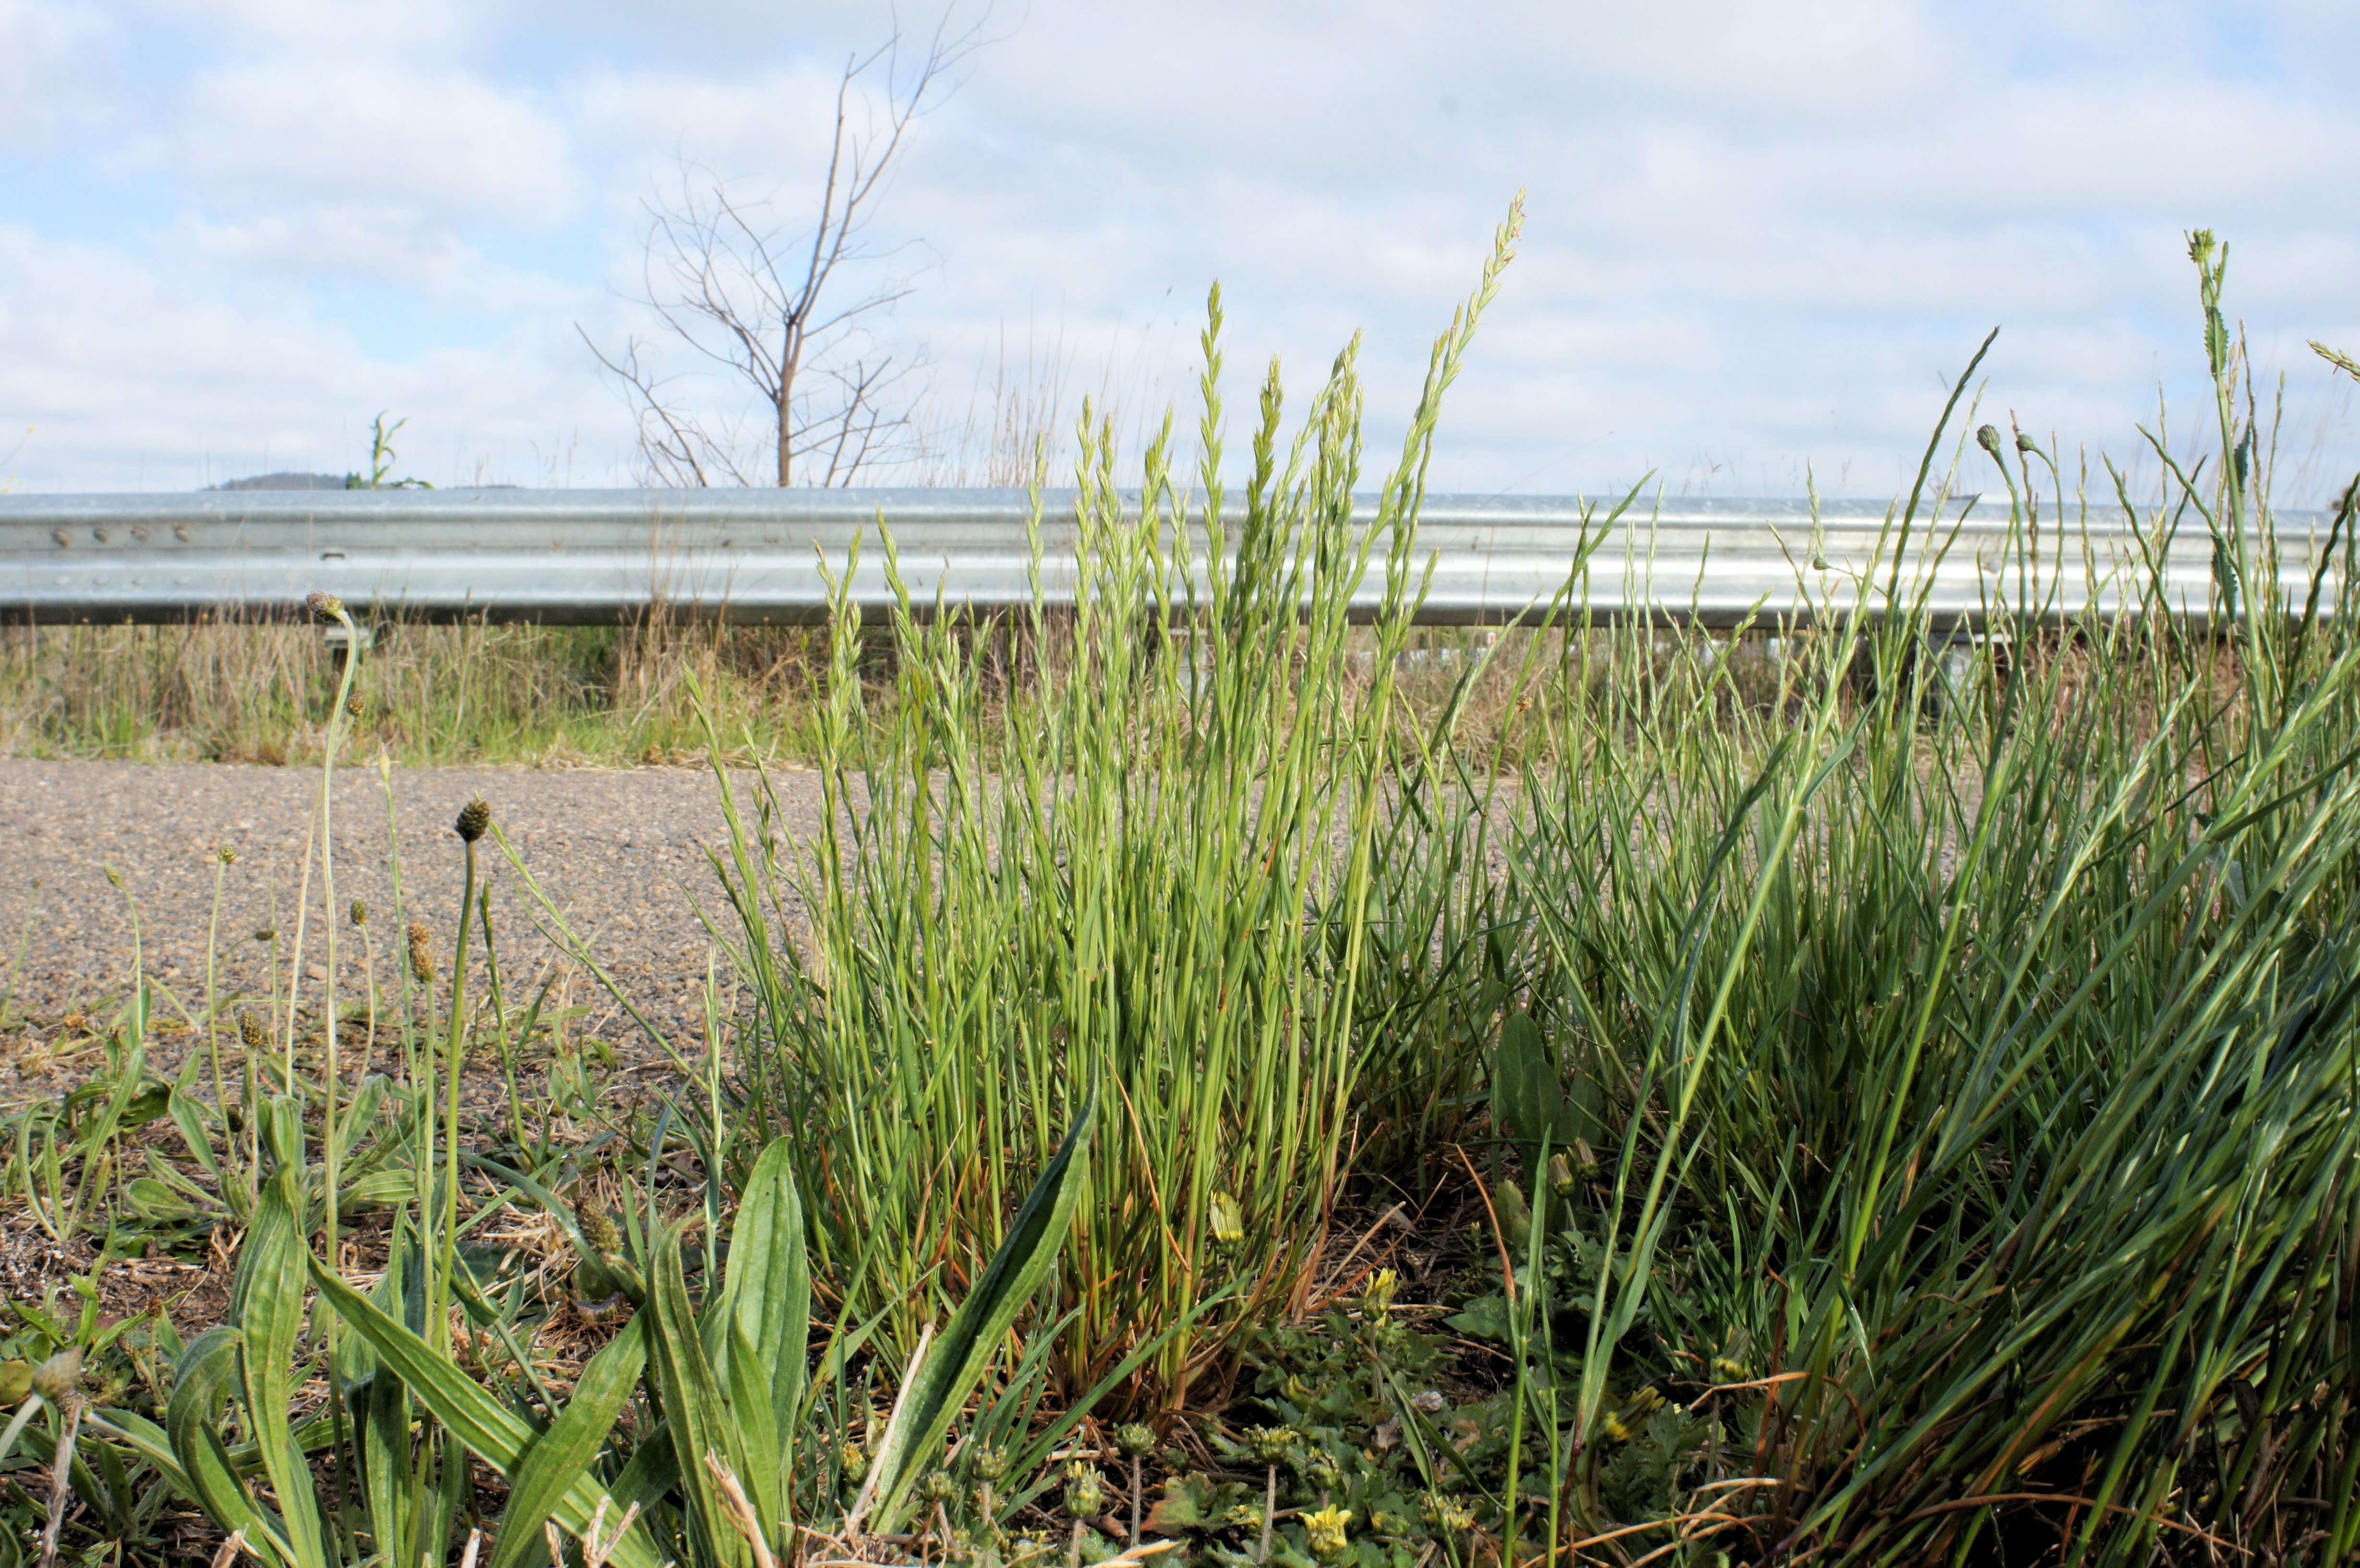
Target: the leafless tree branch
pixel 789 314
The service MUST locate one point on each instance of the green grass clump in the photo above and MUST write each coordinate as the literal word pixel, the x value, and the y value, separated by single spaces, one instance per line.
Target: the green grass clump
pixel 1863 1097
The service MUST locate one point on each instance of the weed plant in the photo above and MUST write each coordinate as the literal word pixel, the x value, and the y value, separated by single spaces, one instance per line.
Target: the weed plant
pixel 1897 1096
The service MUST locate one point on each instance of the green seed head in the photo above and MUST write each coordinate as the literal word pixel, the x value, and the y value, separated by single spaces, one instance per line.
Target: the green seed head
pixel 936 1487
pixel 1085 1490
pixel 1515 1216
pixel 855 1462
pixel 55 1378
pixel 473 818
pixel 1448 1514
pixel 1270 1444
pixel 1133 1439
pixel 598 1229
pixel 988 1465
pixel 1987 438
pixel 360 913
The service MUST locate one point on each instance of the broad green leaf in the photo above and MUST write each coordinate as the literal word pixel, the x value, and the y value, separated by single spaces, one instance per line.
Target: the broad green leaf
pixel 701 1420
pixel 150 1442
pixel 565 1452
pixel 766 1308
pixel 269 1307
pixel 202 1379
pixel 1527 1100
pixel 964 1353
pixel 487 1427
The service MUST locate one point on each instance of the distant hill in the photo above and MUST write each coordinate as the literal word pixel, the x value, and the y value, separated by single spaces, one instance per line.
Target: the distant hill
pixel 284 482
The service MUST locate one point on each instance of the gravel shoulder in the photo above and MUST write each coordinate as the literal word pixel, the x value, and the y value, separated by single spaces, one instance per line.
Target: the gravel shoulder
pixel 622 852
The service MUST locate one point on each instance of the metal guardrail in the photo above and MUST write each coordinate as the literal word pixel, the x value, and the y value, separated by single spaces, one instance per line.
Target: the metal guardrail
pixel 591 556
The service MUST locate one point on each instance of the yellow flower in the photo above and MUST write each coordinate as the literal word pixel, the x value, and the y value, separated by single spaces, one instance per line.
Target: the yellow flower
pixel 1326 1529
pixel 1228 1221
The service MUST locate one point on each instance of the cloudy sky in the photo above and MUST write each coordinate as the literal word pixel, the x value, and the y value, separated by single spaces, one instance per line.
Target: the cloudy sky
pixel 1759 236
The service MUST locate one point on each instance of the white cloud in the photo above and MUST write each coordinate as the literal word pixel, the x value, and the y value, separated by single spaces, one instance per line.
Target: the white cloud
pixel 1759 236
pixel 326 129
pixel 51 59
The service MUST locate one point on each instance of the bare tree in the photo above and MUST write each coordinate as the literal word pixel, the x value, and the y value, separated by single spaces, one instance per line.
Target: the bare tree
pixel 789 311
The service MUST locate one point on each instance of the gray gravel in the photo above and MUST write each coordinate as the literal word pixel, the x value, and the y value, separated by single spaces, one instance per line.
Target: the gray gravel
pixel 620 851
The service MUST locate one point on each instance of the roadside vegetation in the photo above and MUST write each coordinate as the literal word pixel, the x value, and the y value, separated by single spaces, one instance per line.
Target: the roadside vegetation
pixel 1817 1102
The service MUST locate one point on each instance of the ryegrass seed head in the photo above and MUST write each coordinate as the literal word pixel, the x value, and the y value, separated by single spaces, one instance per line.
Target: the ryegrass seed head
pixel 422 954
pixel 473 818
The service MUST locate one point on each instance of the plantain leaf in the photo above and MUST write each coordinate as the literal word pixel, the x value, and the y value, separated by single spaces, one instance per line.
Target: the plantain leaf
pixel 564 1455
pixel 701 1420
pixel 267 1305
pixel 200 1383
pixel 964 1353
pixel 766 1308
pixel 1528 1102
pixel 488 1429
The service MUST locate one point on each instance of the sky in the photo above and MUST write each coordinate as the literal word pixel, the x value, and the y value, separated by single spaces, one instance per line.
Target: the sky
pixel 1759 241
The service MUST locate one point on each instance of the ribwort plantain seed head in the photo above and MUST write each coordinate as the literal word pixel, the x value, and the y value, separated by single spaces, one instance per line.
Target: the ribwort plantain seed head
pixel 225 855
pixel 598 1228
pixel 359 913
pixel 249 1029
pixel 473 818
pixel 422 954
pixel 324 604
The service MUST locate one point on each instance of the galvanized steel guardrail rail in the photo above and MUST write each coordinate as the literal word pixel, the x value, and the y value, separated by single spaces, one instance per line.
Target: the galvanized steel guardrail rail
pixel 591 556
